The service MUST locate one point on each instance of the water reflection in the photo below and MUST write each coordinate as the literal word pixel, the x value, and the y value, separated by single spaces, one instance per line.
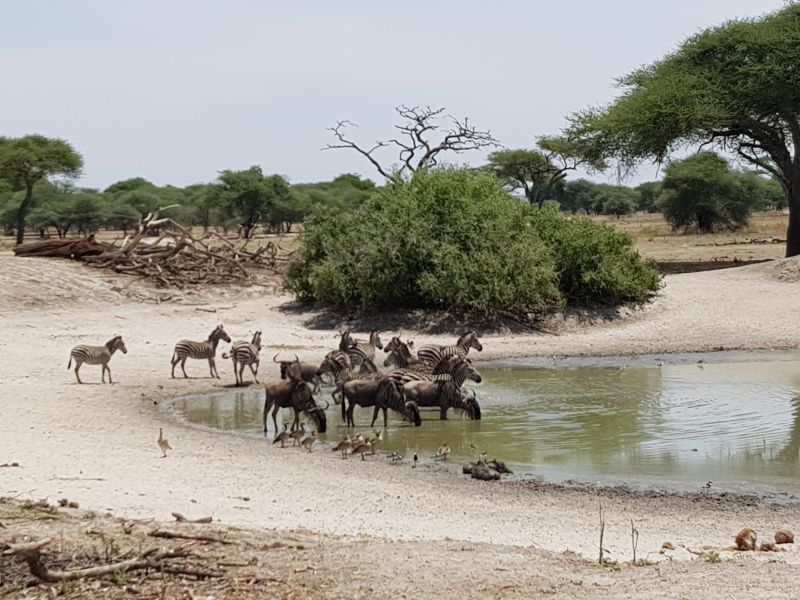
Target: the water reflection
pixel 675 425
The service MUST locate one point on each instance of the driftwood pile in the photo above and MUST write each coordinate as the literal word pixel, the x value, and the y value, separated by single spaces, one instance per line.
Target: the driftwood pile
pixel 174 259
pixel 486 470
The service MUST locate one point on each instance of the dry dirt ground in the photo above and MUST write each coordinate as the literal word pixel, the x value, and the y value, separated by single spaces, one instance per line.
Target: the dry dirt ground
pixel 365 528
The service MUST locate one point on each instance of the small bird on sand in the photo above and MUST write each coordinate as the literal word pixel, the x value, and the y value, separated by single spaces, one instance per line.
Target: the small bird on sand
pixel 443 451
pixel 298 435
pixel 309 441
pixel 361 447
pixel 375 442
pixel 707 486
pixel 163 443
pixel 282 437
pixel 416 458
pixel 344 446
pixel 396 457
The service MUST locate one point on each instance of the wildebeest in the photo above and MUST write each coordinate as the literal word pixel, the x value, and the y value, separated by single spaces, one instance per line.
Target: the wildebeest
pixel 308 371
pixel 383 393
pixel 292 393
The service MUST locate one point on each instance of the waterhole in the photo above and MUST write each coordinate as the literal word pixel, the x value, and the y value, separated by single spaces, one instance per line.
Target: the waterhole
pixel 674 422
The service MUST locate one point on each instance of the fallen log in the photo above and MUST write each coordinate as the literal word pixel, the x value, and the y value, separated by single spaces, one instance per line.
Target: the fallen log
pixel 151 559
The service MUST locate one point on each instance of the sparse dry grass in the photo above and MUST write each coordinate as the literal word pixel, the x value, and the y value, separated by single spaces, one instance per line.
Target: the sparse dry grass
pixel 763 239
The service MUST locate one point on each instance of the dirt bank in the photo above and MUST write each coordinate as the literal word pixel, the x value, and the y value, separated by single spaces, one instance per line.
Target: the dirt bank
pixel 96 444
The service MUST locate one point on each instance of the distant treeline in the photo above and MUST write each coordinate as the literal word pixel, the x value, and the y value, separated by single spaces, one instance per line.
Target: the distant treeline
pixel 244 201
pixel 239 201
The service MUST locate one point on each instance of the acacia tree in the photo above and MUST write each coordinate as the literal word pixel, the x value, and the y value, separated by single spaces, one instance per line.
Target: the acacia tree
pixel 538 171
pixel 735 87
pixel 702 191
pixel 252 196
pixel 417 145
pixel 28 160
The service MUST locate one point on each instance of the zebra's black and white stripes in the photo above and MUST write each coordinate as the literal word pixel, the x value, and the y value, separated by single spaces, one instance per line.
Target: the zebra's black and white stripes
pixel 433 355
pixel 199 350
pixel 245 353
pixel 96 355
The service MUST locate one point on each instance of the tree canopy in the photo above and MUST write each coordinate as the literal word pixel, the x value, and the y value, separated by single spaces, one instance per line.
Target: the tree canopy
pixel 26 161
pixel 735 87
pixel 702 191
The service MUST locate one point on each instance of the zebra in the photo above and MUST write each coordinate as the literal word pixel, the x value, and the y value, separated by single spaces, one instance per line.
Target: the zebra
pixel 96 355
pixel 337 365
pixel 359 350
pixel 188 349
pixel 245 353
pixel 401 357
pixel 455 368
pixel 433 355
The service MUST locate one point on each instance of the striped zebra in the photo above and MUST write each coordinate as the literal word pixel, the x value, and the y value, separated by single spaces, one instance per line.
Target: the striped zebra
pixel 400 356
pixel 433 355
pixel 455 368
pixel 359 350
pixel 188 349
pixel 96 355
pixel 245 353
pixel 337 365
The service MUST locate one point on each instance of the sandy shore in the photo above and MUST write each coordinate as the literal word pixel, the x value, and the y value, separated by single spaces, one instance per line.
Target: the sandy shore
pixel 96 443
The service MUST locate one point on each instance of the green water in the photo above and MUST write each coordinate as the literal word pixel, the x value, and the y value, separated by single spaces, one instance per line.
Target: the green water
pixel 666 422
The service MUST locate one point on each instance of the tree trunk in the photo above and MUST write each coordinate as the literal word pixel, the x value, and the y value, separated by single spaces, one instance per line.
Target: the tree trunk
pixel 23 212
pixel 793 230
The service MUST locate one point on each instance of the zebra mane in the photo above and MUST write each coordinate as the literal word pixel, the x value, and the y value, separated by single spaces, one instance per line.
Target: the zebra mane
pixel 110 343
pixel 466 336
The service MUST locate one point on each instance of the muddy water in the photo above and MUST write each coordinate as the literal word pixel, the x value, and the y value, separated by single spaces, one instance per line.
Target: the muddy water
pixel 673 422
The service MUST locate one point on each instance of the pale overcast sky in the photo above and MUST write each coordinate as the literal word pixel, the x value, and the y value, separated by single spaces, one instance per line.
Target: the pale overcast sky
pixel 175 91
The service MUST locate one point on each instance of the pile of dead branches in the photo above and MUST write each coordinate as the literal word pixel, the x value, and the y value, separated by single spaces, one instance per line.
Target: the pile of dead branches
pixel 174 259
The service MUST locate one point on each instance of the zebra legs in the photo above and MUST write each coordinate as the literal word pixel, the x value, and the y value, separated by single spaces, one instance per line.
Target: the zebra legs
pixel 78 366
pixel 103 375
pixel 213 367
pixel 255 372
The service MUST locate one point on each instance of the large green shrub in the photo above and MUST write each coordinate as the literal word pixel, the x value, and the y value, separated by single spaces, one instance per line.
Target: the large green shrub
pixel 453 238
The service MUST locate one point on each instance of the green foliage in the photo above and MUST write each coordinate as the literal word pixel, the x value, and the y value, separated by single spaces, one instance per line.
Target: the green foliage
pixel 252 196
pixel 454 238
pixel 648 196
pixel 736 86
pixel 597 198
pixel 712 557
pixel 344 193
pixel 28 160
pixel 703 192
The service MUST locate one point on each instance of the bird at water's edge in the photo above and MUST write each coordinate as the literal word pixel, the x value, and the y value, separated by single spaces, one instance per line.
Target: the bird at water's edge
pixel 163 444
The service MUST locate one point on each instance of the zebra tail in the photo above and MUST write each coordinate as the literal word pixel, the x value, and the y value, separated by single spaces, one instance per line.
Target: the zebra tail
pixel 225 355
pixel 69 364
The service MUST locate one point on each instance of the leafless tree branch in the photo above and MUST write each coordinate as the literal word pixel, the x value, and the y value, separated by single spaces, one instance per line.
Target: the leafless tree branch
pixel 417 149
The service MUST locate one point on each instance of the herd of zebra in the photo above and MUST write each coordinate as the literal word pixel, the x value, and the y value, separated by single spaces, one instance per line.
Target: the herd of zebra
pixel 432 379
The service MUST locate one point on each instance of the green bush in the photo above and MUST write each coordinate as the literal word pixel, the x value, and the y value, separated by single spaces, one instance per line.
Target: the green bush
pixel 453 238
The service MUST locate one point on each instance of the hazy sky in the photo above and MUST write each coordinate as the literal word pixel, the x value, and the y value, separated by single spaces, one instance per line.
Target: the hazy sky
pixel 176 90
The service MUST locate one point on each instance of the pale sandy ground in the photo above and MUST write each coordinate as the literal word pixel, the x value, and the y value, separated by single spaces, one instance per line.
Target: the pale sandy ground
pixel 96 443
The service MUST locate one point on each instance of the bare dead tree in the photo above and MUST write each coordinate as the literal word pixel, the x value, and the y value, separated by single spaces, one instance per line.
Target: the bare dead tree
pixel 417 143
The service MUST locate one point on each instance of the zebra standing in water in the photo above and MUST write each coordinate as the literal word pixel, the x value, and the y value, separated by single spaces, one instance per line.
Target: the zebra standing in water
pixel 359 350
pixel 433 355
pixel 188 349
pixel 96 355
pixel 245 353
